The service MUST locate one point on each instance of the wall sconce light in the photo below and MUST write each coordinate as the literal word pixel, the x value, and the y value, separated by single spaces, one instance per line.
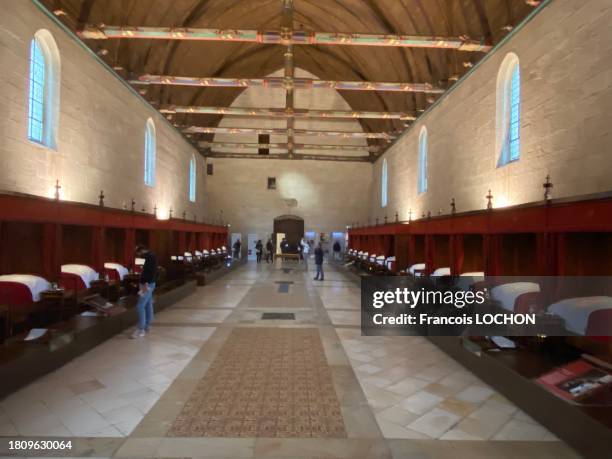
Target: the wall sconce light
pixel 409 215
pixel 143 210
pixel 184 215
pixel 547 189
pixel 453 206
pixel 133 208
pixel 170 213
pixel 489 197
pixel 155 210
pixel 396 217
pixel 101 198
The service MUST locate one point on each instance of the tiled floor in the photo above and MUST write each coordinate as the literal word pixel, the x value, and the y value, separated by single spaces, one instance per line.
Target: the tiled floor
pixel 211 354
pixel 418 392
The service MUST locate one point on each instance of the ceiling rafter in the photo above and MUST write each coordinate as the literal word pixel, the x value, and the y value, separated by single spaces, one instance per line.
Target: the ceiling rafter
pixel 361 41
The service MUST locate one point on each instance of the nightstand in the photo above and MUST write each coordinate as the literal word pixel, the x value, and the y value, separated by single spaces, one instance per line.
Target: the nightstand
pixel 4 319
pixel 55 301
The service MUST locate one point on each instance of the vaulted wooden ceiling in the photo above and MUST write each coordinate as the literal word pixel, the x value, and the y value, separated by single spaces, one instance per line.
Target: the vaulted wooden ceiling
pixel 486 20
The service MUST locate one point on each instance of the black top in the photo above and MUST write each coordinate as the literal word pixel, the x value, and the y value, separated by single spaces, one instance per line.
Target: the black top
pixel 318 256
pixel 337 246
pixel 269 246
pixel 259 247
pixel 149 270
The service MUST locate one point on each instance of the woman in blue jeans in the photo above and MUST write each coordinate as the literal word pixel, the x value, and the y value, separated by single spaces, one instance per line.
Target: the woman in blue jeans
pixel 144 307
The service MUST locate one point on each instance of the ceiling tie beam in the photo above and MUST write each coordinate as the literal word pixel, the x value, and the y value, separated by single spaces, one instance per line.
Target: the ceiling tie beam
pixel 359 159
pixel 285 83
pixel 283 146
pixel 288 132
pixel 283 113
pixel 280 37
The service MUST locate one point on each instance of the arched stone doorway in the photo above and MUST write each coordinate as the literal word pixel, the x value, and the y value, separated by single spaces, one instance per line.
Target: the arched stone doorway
pixel 293 228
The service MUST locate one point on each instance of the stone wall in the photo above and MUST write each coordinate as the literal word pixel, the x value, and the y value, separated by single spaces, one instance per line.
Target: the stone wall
pixel 565 55
pixel 327 195
pixel 101 128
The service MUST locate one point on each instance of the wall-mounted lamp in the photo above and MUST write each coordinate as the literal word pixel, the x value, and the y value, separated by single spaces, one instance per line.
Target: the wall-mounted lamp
pixel 101 198
pixel 453 206
pixel 133 205
pixel 155 210
pixel 396 217
pixel 170 213
pixel 409 215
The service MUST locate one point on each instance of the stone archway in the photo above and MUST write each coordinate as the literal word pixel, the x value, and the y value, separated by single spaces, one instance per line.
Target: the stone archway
pixel 293 228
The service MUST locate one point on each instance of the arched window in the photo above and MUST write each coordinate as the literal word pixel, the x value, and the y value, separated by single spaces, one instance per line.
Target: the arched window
pixel 150 152
pixel 422 172
pixel 383 194
pixel 44 90
pixel 508 132
pixel 192 178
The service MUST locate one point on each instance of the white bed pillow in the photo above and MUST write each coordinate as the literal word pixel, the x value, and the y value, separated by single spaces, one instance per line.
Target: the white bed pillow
pixel 416 267
pixel 441 272
pixel 465 280
pixel 36 284
pixel 507 294
pixel 122 270
pixel 576 311
pixel 86 273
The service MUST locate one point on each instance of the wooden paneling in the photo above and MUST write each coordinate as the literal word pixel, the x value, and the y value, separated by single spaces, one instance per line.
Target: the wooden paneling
pixel 76 245
pixel 21 248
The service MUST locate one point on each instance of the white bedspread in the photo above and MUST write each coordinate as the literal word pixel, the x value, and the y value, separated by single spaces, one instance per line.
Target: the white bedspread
pixel 467 279
pixel 576 311
pixel 417 267
pixel 36 284
pixel 122 270
pixel 507 294
pixel 479 274
pixel 85 272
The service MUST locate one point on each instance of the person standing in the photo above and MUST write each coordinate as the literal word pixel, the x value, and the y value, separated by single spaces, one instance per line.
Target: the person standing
pixel 236 248
pixel 269 251
pixel 337 250
pixel 148 278
pixel 305 250
pixel 259 250
pixel 318 255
